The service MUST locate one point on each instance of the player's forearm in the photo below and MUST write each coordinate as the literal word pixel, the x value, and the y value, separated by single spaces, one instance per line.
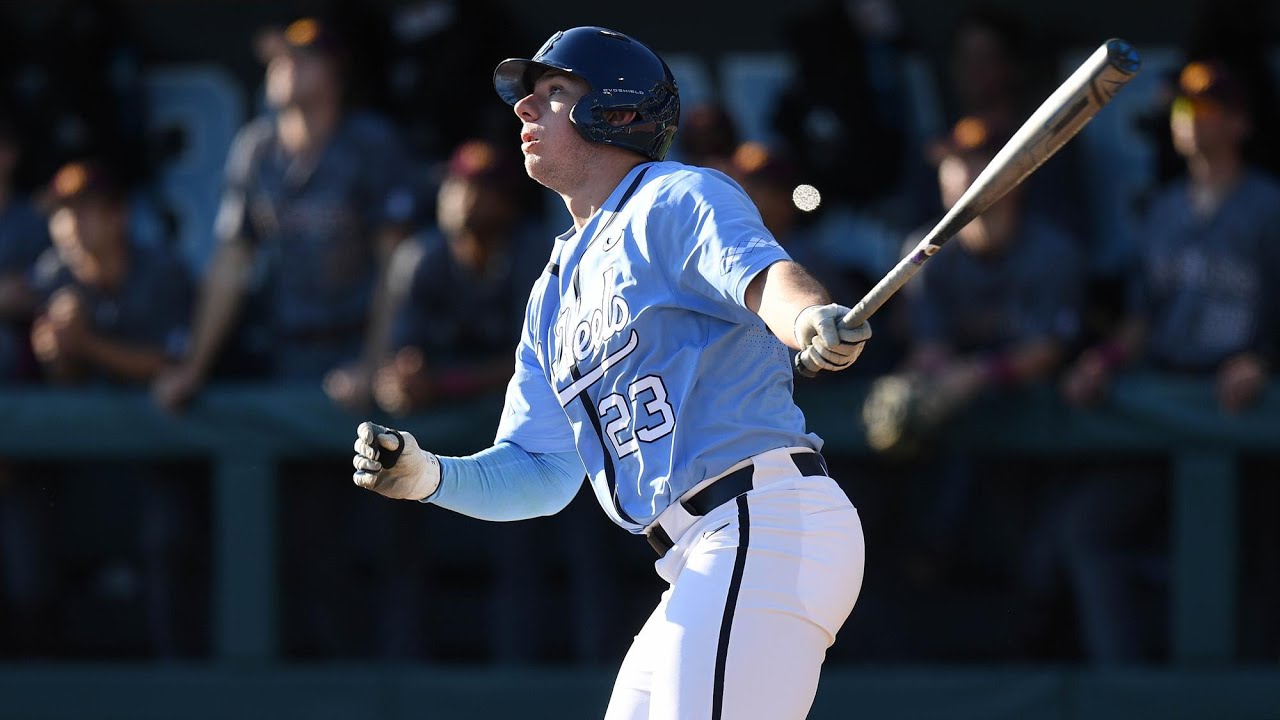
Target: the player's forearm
pixel 221 297
pixel 779 292
pixel 505 482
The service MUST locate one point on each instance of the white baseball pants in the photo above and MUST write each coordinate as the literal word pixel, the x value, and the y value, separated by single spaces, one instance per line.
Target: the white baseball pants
pixel 759 588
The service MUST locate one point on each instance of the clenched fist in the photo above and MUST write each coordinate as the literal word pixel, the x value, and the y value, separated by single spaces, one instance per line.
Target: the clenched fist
pixel 390 463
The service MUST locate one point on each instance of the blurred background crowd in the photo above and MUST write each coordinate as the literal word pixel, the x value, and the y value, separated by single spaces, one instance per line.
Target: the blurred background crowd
pixel 374 238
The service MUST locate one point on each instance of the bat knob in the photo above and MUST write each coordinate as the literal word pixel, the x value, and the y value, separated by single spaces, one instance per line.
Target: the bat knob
pixel 800 369
pixel 387 458
pixel 1123 56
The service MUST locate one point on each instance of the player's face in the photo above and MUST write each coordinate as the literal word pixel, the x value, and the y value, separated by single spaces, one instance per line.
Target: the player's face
pixel 554 153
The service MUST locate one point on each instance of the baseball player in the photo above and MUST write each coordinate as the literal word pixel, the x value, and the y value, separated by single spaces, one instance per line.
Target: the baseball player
pixel 654 360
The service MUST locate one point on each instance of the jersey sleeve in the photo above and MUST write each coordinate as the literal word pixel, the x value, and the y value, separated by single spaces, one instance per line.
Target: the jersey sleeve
pixel 713 237
pixel 507 483
pixel 532 416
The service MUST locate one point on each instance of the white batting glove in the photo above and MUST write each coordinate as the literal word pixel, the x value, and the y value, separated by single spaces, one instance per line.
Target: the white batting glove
pixel 390 463
pixel 832 346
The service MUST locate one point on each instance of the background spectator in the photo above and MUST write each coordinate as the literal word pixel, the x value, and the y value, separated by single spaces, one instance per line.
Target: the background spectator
pixel 111 311
pixel 115 312
pixel 470 281
pixel 1002 307
pixel 1201 303
pixel 995 311
pixel 321 196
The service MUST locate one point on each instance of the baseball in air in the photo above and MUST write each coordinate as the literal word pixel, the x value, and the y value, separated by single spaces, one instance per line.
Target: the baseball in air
pixel 806 197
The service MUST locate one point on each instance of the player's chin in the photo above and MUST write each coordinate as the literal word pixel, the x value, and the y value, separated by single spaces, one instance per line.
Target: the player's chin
pixel 542 172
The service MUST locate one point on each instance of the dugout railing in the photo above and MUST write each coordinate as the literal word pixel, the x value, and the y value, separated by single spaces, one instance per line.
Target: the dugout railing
pixel 244 431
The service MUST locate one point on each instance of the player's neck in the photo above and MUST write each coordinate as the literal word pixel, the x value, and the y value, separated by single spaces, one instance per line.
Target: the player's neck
pixel 599 181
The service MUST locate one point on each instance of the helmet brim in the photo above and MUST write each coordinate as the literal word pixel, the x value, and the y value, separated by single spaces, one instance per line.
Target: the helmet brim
pixel 514 77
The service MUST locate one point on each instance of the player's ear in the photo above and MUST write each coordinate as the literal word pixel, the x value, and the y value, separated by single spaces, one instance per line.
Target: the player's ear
pixel 618 118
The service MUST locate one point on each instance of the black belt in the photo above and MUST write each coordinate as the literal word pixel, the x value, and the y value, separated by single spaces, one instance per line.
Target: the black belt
pixel 727 488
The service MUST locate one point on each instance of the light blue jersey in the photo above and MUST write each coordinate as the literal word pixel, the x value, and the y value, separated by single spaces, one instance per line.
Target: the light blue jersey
pixel 638 350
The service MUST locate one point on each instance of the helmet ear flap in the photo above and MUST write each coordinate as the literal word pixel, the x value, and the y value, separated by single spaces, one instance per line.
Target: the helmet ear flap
pixel 588 117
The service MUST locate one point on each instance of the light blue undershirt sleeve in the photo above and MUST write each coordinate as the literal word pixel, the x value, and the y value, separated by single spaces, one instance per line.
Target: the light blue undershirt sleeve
pixel 506 482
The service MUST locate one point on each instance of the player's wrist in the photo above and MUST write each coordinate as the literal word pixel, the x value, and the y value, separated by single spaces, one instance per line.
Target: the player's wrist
pixel 802 328
pixel 427 482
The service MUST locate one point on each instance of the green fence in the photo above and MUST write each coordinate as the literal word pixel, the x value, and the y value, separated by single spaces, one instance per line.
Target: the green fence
pixel 244 431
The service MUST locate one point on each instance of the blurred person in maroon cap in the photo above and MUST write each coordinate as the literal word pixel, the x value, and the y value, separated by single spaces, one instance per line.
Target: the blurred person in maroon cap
pixel 469 278
pixel 321 195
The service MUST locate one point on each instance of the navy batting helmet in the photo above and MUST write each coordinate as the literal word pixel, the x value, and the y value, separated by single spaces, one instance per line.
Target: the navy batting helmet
pixel 624 74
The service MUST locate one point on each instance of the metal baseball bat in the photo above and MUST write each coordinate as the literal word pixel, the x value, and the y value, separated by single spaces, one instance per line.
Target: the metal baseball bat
pixel 1056 121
